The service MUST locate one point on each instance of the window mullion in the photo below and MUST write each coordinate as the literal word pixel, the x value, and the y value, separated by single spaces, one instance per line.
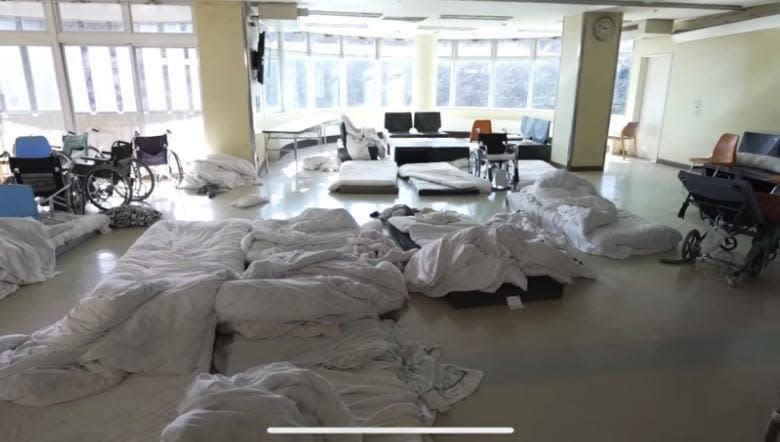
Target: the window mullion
pixel 140 101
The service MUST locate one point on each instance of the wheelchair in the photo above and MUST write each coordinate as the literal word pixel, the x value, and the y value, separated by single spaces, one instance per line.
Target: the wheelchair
pixel 731 208
pixel 495 160
pixel 35 164
pixel 82 156
pixel 153 151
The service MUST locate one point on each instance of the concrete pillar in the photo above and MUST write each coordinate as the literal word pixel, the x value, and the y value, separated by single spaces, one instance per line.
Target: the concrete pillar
pixel 424 72
pixel 585 86
pixel 224 77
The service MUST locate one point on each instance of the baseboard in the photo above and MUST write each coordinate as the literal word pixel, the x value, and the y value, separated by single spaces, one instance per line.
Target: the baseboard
pixel 673 164
pixel 586 168
pixel 557 165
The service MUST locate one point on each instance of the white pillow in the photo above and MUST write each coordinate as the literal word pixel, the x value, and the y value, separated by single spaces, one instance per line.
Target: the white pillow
pixel 763 162
pixel 357 149
pixel 249 201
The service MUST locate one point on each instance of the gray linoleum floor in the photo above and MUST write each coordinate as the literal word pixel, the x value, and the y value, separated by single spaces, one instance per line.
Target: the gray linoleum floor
pixel 647 352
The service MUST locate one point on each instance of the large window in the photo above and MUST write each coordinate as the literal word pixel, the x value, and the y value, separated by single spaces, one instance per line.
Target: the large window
pixel 118 86
pixel 21 16
pixel 519 73
pixel 29 97
pixel 622 77
pixel 320 71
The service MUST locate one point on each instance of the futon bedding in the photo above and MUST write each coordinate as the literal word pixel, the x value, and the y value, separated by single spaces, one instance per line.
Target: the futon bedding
pixel 370 176
pixel 565 204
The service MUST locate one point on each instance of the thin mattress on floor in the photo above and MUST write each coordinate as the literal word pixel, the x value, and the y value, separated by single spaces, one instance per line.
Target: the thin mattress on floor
pixel 443 178
pixel 528 171
pixel 372 176
pixel 629 235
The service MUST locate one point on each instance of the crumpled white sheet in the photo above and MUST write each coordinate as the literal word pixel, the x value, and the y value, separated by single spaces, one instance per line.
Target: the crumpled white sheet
pixel 358 140
pixel 221 170
pixel 243 406
pixel 482 258
pixel 587 219
pixel 308 294
pixel 580 205
pixel 444 174
pixel 322 163
pixel 248 201
pixel 27 254
pixel 154 314
pixel 69 226
pixel 427 227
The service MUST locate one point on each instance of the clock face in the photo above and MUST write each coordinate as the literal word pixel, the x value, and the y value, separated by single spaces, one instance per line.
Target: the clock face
pixel 603 28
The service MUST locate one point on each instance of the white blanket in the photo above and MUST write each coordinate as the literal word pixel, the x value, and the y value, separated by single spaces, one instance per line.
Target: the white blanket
pixel 591 223
pixel 308 294
pixel 379 173
pixel 359 139
pixel 482 258
pixel 26 254
pixel 154 314
pixel 222 171
pixel 243 406
pixel 322 163
pixel 444 174
pixel 427 227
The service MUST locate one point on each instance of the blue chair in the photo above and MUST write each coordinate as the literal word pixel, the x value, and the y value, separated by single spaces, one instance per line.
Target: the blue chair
pixel 18 201
pixel 32 147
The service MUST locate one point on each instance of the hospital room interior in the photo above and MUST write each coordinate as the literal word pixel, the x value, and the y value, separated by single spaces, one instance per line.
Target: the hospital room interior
pixel 389 220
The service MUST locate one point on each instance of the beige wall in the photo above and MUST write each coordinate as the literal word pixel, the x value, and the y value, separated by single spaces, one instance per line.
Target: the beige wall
pixel 224 77
pixel 735 78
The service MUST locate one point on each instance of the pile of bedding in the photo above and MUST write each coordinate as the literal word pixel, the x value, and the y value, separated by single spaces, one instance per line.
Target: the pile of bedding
pixel 484 257
pixel 222 172
pixel 152 315
pixel 563 203
pixel 443 178
pixel 27 254
pixel 68 227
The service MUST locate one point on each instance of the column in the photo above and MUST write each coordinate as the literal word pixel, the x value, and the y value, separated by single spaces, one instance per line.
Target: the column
pixel 585 85
pixel 224 77
pixel 424 72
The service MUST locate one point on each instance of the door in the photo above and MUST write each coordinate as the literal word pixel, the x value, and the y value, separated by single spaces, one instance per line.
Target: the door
pixel 653 105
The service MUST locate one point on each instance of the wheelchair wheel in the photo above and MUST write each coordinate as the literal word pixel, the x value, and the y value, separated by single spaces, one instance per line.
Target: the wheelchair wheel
pixel 174 168
pixel 729 243
pixel 690 246
pixel 141 180
pixel 107 188
pixel 76 199
pixel 756 260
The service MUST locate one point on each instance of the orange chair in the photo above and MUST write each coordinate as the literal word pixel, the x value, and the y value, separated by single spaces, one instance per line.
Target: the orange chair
pixel 480 127
pixel 724 153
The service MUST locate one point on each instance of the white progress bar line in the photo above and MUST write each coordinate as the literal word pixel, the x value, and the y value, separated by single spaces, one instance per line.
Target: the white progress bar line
pixel 391 430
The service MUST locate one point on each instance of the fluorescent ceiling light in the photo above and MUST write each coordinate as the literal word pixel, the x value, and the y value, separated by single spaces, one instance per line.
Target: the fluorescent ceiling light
pixel 345 14
pixel 475 17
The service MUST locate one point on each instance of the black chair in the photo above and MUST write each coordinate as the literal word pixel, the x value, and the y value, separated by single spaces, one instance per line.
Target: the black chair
pixel 398 122
pixel 426 122
pixel 343 153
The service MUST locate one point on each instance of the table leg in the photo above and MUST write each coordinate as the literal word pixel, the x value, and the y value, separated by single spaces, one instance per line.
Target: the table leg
pixel 322 137
pixel 265 150
pixel 295 151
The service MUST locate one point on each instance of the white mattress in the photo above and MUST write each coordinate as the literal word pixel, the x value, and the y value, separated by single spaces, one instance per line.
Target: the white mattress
pixel 529 171
pixel 629 235
pixel 135 410
pixel 444 174
pixel 376 173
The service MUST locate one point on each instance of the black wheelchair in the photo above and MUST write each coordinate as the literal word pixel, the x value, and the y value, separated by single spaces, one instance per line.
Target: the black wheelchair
pixel 153 151
pixel 731 208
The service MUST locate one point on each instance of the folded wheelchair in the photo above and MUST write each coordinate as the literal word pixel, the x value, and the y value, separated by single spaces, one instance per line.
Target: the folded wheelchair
pixel 732 209
pixel 153 151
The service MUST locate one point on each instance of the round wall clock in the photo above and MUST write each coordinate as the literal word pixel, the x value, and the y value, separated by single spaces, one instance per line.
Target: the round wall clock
pixel 603 28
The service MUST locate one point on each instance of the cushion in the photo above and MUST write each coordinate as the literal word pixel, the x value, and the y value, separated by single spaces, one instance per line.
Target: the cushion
pixel 763 162
pixel 249 201
pixel 132 216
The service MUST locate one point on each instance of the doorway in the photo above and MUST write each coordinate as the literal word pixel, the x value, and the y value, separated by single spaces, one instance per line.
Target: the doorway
pixel 654 85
